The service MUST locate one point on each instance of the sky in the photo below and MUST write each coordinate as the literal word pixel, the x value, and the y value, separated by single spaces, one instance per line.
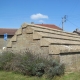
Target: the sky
pixel 13 13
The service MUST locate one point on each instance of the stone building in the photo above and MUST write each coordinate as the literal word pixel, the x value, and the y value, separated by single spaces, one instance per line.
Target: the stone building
pixel 48 43
pixel 10 33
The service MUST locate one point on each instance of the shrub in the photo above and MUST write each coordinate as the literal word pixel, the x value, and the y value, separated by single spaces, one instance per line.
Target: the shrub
pixel 40 69
pixel 54 63
pixel 5 58
pixel 29 64
pixel 55 69
pixel 23 64
pixel 20 63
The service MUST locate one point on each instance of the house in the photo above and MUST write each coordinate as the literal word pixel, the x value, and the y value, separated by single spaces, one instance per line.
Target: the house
pixel 10 33
pixel 48 43
pixel 77 31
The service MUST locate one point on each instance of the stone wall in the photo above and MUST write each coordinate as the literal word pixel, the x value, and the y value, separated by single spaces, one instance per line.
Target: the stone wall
pixel 48 43
pixel 71 61
pixel 4 43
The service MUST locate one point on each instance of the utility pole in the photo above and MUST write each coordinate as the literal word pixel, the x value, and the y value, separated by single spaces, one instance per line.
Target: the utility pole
pixel 63 20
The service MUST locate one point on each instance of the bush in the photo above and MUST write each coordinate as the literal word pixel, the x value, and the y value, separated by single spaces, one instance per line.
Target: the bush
pixel 23 63
pixel 40 69
pixel 5 58
pixel 29 64
pixel 55 69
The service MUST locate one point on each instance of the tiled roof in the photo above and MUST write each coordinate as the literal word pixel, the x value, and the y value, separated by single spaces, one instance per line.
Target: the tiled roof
pixel 8 31
pixel 50 26
pixel 12 31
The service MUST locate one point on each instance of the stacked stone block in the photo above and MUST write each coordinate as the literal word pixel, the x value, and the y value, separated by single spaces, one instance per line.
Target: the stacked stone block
pixel 48 43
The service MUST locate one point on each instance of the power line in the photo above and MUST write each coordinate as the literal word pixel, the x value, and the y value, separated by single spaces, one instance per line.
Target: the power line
pixel 72 23
pixel 75 4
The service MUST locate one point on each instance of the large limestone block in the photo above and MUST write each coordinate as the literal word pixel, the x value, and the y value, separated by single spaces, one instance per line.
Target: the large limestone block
pixel 19 31
pixel 59 41
pixel 37 35
pixel 9 45
pixel 24 25
pixel 50 35
pixel 51 29
pixel 69 60
pixel 14 38
pixel 54 31
pixel 78 61
pixel 29 30
pixel 57 49
pixel 54 49
pixel 44 42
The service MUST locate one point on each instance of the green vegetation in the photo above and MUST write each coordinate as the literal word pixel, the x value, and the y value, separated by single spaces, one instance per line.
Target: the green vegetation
pixel 30 65
pixel 70 76
pixel 12 76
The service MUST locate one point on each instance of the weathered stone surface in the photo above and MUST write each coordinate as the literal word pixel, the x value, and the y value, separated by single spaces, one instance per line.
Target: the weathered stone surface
pixel 14 38
pixel 57 49
pixel 57 36
pixel 58 32
pixel 29 30
pixel 9 44
pixel 24 25
pixel 48 43
pixel 19 31
pixel 71 61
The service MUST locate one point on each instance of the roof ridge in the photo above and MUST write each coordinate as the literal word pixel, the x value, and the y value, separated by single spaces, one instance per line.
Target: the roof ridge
pixel 50 25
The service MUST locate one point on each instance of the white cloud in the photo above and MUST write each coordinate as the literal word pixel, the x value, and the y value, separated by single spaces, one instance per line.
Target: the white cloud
pixel 41 21
pixel 39 16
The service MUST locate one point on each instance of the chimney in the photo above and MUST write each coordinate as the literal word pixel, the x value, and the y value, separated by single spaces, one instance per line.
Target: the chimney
pixel 32 22
pixel 77 30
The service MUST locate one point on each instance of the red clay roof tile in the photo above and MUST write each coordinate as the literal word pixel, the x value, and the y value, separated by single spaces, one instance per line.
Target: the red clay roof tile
pixel 50 26
pixel 8 31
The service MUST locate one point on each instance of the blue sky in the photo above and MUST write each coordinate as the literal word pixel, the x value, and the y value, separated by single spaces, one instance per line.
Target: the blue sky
pixel 15 12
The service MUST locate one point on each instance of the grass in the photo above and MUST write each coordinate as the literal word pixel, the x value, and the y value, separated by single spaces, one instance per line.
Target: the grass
pixel 71 76
pixel 12 76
